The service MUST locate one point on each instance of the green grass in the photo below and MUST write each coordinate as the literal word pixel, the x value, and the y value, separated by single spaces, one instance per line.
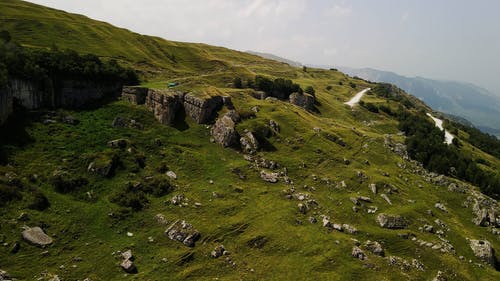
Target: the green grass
pixel 295 249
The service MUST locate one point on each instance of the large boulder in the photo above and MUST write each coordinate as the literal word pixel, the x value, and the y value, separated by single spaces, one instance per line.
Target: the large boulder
pixel 374 247
pixel 183 232
pixel 269 177
pixel 303 100
pixel 36 236
pixel 202 109
pixel 128 266
pixel 483 250
pixel 392 221
pixel 164 104
pixel 135 95
pixel 224 130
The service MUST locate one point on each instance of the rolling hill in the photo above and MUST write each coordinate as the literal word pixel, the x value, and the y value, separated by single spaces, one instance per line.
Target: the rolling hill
pixel 309 190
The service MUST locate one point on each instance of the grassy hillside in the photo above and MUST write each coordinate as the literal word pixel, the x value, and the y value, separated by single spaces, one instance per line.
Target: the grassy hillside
pixel 330 155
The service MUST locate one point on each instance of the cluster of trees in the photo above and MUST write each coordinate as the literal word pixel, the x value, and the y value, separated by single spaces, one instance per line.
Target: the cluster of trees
pixel 486 142
pixel 280 88
pixel 425 143
pixel 389 92
pixel 40 64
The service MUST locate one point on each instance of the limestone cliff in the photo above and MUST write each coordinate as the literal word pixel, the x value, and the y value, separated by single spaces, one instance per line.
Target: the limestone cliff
pixel 49 94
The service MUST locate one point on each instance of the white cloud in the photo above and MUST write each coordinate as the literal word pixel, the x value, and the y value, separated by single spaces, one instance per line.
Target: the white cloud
pixel 405 16
pixel 338 11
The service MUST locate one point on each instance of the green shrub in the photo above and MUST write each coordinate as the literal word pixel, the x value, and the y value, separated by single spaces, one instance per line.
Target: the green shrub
pixel 9 193
pixel 38 201
pixel 130 197
pixel 310 90
pixel 64 182
pixel 157 186
pixel 237 83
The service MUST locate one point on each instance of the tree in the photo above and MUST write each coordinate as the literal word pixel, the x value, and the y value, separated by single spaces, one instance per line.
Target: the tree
pixel 310 90
pixel 5 36
pixel 237 83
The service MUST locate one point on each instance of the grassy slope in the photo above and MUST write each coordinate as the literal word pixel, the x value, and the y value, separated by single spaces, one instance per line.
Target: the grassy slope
pixel 82 227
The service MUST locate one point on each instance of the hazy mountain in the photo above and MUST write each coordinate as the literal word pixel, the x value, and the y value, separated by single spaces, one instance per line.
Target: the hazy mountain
pixel 276 58
pixel 465 100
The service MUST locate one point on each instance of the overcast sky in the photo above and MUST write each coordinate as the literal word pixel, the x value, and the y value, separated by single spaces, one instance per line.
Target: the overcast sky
pixel 440 39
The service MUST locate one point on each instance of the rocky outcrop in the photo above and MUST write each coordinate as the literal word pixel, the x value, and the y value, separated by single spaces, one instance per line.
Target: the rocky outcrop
pixel 183 232
pixel 358 253
pixel 224 131
pixel 269 177
pixel 36 236
pixel 303 100
pixel 483 250
pixel 374 247
pixel 134 95
pixel 249 143
pixel 485 212
pixel 127 264
pixel 202 110
pixel 392 221
pixel 164 104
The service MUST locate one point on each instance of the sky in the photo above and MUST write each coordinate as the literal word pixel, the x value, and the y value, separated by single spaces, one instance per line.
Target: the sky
pixel 439 39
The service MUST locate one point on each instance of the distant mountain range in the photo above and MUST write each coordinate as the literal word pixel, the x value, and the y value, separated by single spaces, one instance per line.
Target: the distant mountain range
pixel 478 105
pixel 462 102
pixel 276 58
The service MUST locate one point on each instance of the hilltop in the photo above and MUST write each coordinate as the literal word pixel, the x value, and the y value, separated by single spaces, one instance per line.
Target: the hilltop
pixel 245 168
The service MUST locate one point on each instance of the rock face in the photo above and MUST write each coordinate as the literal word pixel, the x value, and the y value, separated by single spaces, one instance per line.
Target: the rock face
pixel 303 100
pixel 164 104
pixel 6 105
pixel 183 232
pixel 202 110
pixel 77 93
pixel 392 221
pixel 36 236
pixel 483 250
pixel 224 131
pixel 51 94
pixel 135 95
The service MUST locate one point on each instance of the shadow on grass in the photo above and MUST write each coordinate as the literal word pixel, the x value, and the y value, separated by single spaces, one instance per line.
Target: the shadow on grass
pixel 13 132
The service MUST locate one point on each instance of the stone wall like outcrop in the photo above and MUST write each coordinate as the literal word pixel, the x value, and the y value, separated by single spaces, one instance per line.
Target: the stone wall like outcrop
pixel 135 95
pixel 167 104
pixel 164 104
pixel 202 110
